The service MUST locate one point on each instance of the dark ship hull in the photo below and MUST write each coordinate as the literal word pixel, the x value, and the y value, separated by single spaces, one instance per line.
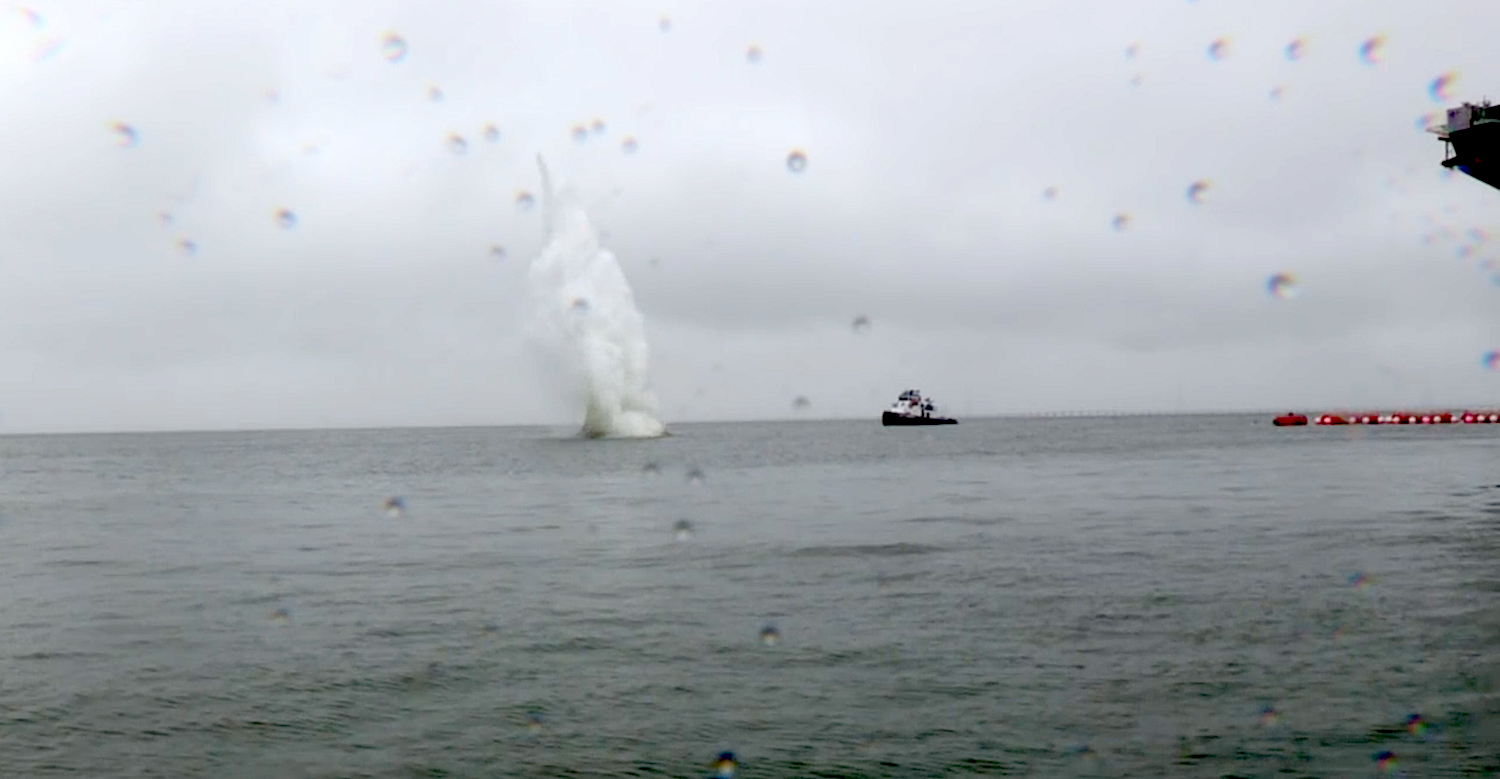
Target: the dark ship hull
pixel 890 419
pixel 1473 135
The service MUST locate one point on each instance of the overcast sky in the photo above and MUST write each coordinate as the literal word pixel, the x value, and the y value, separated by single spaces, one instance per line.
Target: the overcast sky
pixel 932 132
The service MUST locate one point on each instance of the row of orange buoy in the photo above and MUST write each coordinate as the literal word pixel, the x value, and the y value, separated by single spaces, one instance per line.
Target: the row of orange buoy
pixel 1398 418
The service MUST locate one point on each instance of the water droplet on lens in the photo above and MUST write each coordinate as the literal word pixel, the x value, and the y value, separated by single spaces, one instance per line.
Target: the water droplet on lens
pixel 1121 221
pixel 1441 87
pixel 491 133
pixel 753 54
pixel 580 133
pixel 861 324
pixel 725 765
pixel 796 161
pixel 598 126
pixel 395 506
pixel 664 24
pixel 1218 49
pixel 457 144
pixel 769 635
pixel 525 200
pixel 1197 190
pixel 393 47
pixel 801 403
pixel 497 251
pixel 651 469
pixel 695 475
pixel 285 218
pixel 187 246
pixel 434 94
pixel 682 530
pixel 125 135
pixel 1282 286
pixel 1050 193
pixel 629 145
pixel 281 615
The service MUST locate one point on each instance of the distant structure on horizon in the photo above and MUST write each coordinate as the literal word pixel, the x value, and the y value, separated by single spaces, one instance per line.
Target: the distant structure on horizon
pixel 1471 141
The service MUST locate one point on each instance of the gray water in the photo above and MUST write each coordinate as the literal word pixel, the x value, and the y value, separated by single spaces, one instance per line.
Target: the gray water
pixel 1070 597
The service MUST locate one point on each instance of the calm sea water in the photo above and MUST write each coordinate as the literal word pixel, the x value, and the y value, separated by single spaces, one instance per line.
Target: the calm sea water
pixel 1174 596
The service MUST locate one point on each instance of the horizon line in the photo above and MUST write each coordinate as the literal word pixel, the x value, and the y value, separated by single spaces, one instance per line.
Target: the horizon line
pixel 1051 414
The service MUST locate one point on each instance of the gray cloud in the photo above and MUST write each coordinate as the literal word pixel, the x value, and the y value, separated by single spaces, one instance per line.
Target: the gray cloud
pixel 930 136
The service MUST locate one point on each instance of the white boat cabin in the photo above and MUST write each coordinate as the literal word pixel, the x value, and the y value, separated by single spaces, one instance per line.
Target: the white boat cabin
pixel 912 404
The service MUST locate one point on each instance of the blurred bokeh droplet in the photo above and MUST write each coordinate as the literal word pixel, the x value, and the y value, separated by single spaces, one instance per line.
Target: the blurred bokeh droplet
pixel 796 161
pixel 393 47
pixel 725 765
pixel 1441 87
pixel 1282 286
pixel 285 218
pixel 125 134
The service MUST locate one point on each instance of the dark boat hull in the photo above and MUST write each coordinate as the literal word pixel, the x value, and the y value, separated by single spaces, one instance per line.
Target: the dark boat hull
pixel 889 419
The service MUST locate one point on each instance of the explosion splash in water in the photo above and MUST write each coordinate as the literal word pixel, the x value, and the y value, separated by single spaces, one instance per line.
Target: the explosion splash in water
pixel 584 313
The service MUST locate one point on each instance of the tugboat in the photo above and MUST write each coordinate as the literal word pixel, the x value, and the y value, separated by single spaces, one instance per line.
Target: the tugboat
pixel 911 409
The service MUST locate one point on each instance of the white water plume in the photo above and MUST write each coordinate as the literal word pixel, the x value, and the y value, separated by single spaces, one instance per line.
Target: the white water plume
pixel 583 313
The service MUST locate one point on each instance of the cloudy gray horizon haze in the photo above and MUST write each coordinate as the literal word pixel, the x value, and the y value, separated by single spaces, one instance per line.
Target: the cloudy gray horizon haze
pixel 966 165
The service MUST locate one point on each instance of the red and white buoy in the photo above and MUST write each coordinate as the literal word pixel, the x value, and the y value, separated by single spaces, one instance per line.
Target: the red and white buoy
pixel 1393 418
